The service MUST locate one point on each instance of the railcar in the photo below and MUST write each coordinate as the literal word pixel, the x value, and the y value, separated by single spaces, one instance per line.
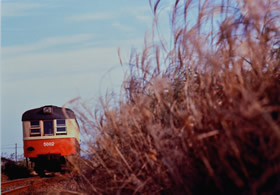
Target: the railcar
pixel 51 136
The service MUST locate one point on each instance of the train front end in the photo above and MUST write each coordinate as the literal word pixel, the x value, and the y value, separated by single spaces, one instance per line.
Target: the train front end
pixel 51 135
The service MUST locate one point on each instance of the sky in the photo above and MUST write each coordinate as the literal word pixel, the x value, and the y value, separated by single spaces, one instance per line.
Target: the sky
pixel 56 50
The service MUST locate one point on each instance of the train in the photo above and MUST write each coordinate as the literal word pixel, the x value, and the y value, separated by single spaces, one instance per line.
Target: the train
pixel 51 137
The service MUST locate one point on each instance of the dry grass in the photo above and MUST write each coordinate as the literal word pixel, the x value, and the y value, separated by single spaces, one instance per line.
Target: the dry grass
pixel 199 118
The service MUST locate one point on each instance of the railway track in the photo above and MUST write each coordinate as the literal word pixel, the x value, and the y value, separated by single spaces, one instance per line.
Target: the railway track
pixel 22 185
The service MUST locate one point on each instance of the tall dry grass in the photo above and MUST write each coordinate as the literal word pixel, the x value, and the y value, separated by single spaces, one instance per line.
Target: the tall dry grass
pixel 199 116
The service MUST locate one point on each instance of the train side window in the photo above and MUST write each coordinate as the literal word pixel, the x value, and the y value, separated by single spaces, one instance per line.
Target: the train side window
pixel 60 127
pixel 35 129
pixel 48 127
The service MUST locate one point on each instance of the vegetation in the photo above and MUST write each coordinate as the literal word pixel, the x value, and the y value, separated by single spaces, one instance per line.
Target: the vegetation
pixel 199 116
pixel 13 170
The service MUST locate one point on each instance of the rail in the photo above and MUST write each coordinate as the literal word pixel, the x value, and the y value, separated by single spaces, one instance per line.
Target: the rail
pixel 21 185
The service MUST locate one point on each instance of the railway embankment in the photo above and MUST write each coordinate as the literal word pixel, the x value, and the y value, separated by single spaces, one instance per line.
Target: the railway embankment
pixel 53 184
pixel 50 183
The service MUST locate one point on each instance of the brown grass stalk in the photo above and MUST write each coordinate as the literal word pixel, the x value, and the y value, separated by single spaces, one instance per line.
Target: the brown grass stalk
pixel 199 118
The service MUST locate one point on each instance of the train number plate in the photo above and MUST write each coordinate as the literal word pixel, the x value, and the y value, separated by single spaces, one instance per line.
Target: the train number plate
pixel 46 144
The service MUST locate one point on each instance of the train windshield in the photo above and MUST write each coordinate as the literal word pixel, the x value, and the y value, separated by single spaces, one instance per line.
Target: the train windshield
pixel 35 129
pixel 60 127
pixel 48 127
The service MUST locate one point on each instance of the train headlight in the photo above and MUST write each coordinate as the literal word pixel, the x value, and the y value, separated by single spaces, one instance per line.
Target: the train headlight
pixel 30 149
pixel 47 110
